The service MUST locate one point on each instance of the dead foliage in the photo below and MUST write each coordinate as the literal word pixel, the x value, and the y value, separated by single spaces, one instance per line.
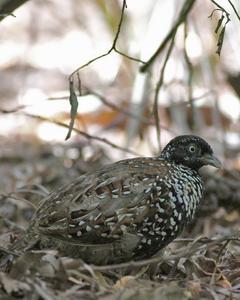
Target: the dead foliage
pixel 204 263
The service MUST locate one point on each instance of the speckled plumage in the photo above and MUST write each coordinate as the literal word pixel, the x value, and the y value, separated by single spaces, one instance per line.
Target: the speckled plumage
pixel 126 210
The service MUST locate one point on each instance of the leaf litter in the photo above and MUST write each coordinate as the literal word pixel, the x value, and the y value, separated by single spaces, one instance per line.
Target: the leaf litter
pixel 204 263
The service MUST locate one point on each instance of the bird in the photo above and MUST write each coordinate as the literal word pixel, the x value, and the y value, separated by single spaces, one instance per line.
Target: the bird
pixel 124 211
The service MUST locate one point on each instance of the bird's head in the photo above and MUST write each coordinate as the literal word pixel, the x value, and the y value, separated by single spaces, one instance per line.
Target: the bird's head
pixel 191 151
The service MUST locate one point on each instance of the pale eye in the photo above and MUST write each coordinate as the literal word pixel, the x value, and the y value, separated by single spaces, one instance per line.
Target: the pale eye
pixel 192 148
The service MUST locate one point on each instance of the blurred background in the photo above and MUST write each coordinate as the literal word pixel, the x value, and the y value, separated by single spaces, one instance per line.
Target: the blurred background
pixel 48 39
pixel 173 69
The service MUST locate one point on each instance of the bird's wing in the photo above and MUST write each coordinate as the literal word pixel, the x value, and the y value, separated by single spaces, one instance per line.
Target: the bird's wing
pixel 100 207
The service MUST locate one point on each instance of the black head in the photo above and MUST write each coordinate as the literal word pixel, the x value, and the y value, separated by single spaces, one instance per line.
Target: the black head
pixel 191 151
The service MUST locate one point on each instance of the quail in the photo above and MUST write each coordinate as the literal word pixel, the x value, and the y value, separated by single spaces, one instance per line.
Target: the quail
pixel 124 211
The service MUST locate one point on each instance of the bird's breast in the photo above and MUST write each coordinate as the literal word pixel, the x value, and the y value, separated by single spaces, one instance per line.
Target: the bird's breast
pixel 171 210
pixel 187 191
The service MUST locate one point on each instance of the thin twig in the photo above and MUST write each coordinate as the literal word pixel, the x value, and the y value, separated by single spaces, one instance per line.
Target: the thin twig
pixel 86 135
pixel 110 105
pixel 115 107
pixel 12 225
pixel 113 47
pixel 73 98
pixel 7 7
pixel 144 262
pixel 233 7
pixel 212 281
pixel 219 6
pixel 13 197
pixel 187 6
pixel 190 76
pixel 89 62
pixel 128 56
pixel 13 110
pixel 158 87
pixel 33 192
pixel 222 9
pixel 7 251
pixel 183 252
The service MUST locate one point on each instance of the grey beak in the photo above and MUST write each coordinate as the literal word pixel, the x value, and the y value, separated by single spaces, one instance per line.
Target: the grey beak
pixel 211 160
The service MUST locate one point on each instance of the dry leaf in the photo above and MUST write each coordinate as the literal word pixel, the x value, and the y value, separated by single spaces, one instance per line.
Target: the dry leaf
pixel 123 282
pixel 194 287
pixel 12 286
pixel 223 282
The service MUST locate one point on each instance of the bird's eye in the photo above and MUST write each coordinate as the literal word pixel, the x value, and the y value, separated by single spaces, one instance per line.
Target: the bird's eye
pixel 192 148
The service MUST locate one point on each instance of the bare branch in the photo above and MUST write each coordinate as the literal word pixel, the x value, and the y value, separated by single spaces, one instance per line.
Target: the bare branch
pixel 190 76
pixel 115 107
pixel 158 87
pixel 118 108
pixel 113 47
pixel 13 110
pixel 86 135
pixel 8 6
pixel 182 17
pixel 233 7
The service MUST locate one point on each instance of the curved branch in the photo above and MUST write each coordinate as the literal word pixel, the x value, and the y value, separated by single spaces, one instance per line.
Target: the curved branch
pixel 182 17
pixel 8 6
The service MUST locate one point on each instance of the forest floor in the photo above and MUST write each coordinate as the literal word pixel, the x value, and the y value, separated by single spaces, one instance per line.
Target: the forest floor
pixel 204 263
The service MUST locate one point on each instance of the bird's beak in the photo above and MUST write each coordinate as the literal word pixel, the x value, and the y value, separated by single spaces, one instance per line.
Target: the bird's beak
pixel 211 160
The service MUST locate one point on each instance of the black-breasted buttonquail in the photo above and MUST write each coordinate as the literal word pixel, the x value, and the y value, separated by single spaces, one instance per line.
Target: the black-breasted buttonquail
pixel 124 211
